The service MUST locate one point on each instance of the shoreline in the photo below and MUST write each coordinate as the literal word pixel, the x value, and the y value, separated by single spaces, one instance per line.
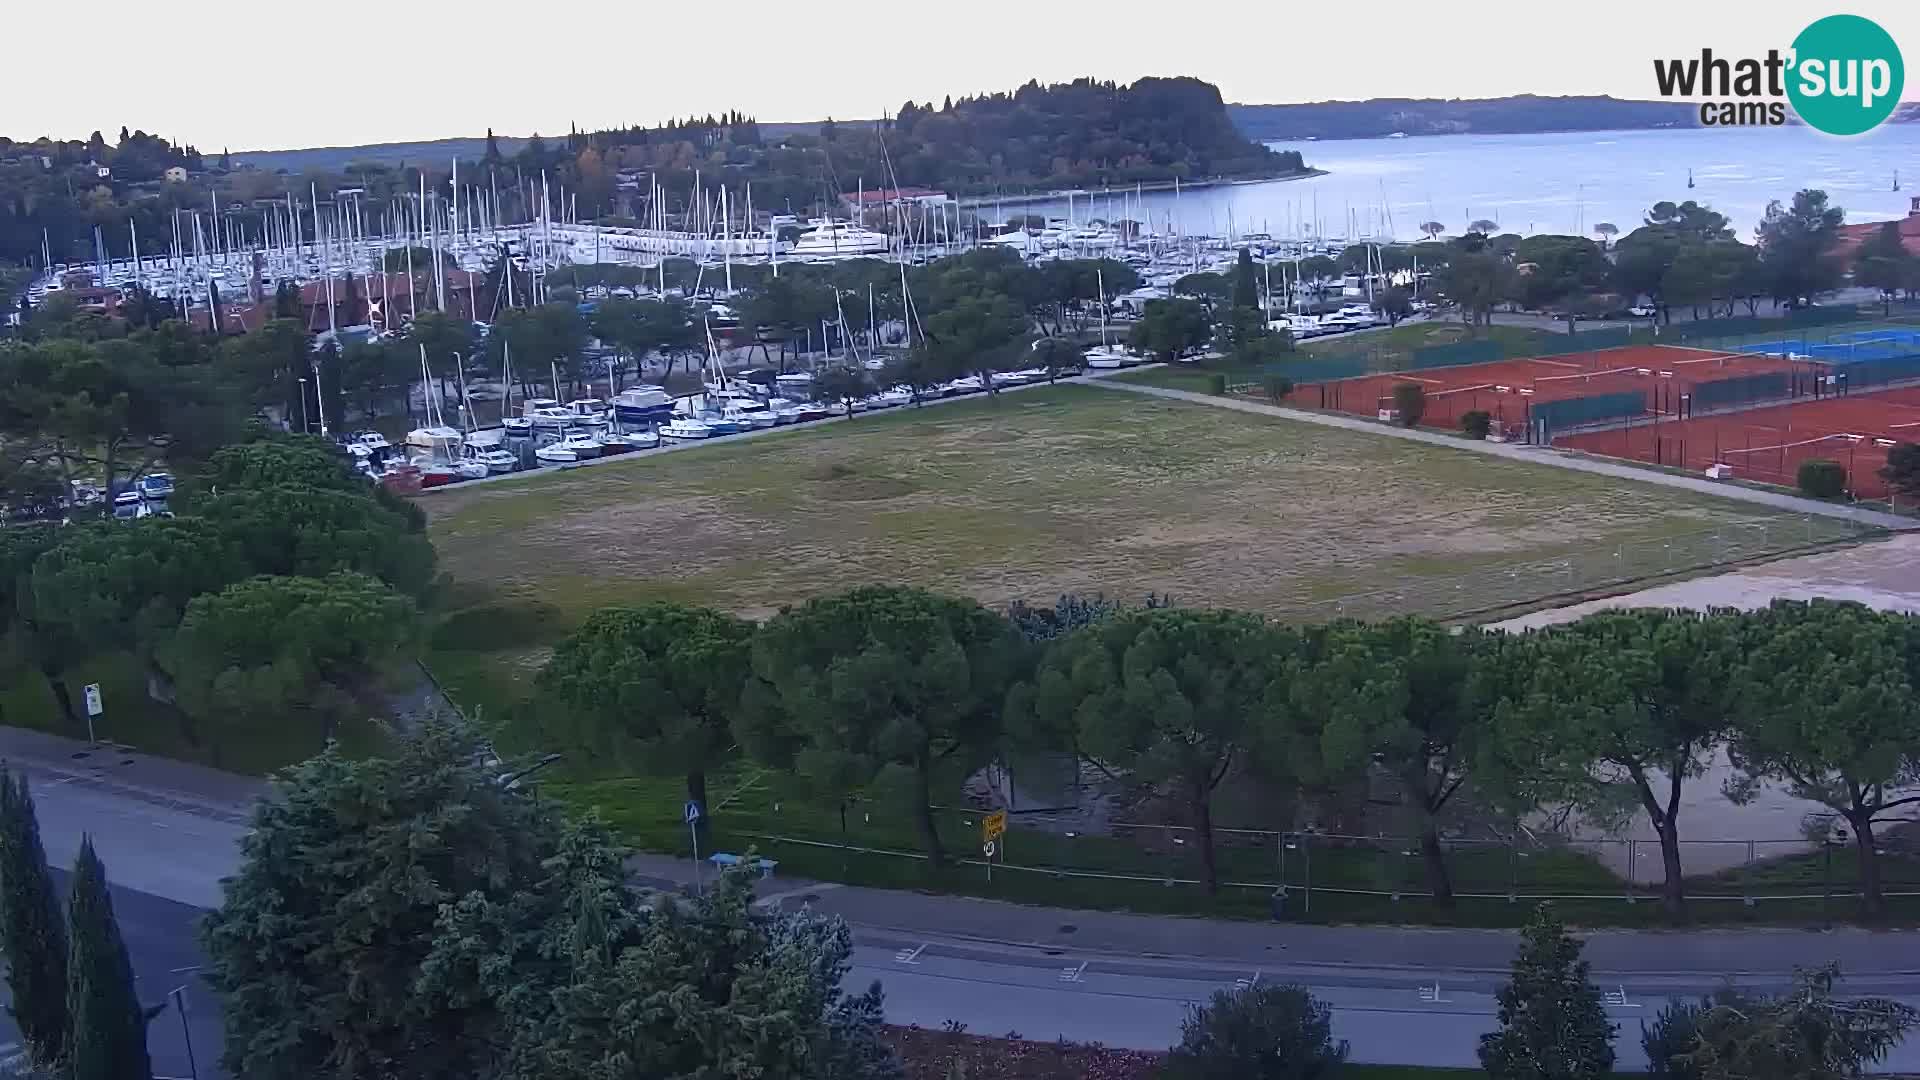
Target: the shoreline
pixel 1060 195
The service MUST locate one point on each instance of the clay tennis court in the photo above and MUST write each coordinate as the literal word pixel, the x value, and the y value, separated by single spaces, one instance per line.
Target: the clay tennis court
pixel 1768 445
pixel 1504 388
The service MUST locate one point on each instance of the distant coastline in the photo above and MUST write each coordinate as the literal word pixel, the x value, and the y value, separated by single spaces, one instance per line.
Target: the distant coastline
pixel 1029 198
pixel 1524 114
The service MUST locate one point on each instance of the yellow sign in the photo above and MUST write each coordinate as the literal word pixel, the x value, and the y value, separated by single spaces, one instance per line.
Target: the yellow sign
pixel 993 826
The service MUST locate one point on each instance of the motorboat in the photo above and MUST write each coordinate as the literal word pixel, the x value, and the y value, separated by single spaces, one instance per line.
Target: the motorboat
pixel 831 239
pixel 372 440
pixel 517 427
pixel 784 411
pixel 588 412
pixel 485 447
pixel 622 443
pixel 1009 378
pixel 892 399
pixel 555 454
pixel 719 424
pixel 814 410
pixel 436 473
pixel 472 469
pixel 754 416
pixel 584 444
pixel 686 427
pixel 1108 357
pixel 969 384
pixel 644 404
pixel 437 442
pixel 547 413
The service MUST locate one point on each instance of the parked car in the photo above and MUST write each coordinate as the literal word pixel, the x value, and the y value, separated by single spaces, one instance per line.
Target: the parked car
pixel 1643 311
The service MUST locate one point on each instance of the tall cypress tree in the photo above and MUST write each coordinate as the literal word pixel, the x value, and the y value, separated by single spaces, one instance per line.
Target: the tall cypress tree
pixel 31 933
pixel 1552 1024
pixel 109 1032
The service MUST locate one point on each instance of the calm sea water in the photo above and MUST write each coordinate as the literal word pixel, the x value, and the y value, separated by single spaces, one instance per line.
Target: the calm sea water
pixel 1561 183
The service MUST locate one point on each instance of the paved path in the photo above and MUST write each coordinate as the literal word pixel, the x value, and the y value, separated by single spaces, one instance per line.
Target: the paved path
pixel 1522 452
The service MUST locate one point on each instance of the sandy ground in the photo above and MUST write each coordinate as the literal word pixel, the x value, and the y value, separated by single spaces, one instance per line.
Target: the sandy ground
pixel 1884 575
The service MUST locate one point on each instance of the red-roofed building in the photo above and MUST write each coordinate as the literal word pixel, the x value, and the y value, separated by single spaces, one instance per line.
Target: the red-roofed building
pixel 1852 236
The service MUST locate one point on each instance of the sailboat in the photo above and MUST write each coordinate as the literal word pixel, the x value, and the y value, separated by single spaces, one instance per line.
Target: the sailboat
pixel 1896 179
pixel 1689 179
pixel 1107 354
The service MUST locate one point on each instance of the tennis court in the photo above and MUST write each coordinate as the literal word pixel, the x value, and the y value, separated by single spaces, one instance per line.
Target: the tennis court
pixel 1505 388
pixel 1768 445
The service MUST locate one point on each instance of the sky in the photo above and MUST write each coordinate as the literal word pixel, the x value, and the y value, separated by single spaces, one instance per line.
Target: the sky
pixel 344 72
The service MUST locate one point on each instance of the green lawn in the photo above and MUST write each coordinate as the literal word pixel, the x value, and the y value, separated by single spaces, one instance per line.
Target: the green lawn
pixel 1389 350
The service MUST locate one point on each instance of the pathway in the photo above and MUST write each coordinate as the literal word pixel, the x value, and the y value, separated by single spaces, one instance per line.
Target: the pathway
pixel 1539 455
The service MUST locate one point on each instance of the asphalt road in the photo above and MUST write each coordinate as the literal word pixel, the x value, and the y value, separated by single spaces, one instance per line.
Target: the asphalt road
pixel 1400 996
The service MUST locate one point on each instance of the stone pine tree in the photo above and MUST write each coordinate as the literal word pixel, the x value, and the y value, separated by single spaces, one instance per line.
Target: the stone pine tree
pixel 108 1036
pixel 31 931
pixel 1552 1025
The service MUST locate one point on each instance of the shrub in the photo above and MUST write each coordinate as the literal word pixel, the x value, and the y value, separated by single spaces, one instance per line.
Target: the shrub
pixel 1410 401
pixel 1476 423
pixel 1216 383
pixel 1822 479
pixel 1278 387
pixel 1552 1024
pixel 1903 468
pixel 1260 1033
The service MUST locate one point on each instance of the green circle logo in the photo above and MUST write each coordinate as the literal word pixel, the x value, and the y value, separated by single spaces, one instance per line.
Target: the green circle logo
pixel 1846 75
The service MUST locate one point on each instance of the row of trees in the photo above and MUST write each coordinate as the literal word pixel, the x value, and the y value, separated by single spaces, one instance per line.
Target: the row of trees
pixel 69 976
pixel 1683 255
pixel 288 587
pixel 1613 715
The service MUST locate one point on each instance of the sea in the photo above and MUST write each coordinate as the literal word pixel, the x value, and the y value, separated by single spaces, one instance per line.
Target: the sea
pixel 1563 182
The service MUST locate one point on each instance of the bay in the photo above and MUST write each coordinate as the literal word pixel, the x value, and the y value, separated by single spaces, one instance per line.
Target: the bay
pixel 1562 182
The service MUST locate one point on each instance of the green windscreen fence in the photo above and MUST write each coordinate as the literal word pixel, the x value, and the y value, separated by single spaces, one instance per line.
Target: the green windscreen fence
pixel 1455 354
pixel 1546 418
pixel 1864 373
pixel 1323 368
pixel 1743 389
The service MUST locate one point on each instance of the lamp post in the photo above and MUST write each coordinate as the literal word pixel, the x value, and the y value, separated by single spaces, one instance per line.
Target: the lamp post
pixel 304 426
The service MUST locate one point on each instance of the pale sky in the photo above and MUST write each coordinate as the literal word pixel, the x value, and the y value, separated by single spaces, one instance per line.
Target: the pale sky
pixel 347 72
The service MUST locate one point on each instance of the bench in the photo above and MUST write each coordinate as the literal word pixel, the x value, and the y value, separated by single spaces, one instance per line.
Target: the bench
pixel 724 859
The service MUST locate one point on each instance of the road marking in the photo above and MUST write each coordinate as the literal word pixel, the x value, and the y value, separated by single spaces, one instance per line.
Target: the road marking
pixel 910 956
pixel 1432 994
pixel 1073 974
pixel 1249 982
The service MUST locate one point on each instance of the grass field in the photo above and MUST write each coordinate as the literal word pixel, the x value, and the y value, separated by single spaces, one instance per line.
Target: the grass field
pixel 1392 345
pixel 1066 489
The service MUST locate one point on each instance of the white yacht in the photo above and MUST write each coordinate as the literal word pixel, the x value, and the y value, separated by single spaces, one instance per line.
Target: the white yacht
pixel 588 412
pixel 555 454
pixel 685 427
pixel 785 411
pixel 754 416
pixel 643 404
pixel 840 238
pixel 894 398
pixel 484 448
pixel 584 444
pixel 546 412
pixel 1108 357
pixel 626 441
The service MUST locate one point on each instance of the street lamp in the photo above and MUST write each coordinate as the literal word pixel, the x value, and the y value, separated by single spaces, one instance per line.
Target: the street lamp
pixel 304 426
